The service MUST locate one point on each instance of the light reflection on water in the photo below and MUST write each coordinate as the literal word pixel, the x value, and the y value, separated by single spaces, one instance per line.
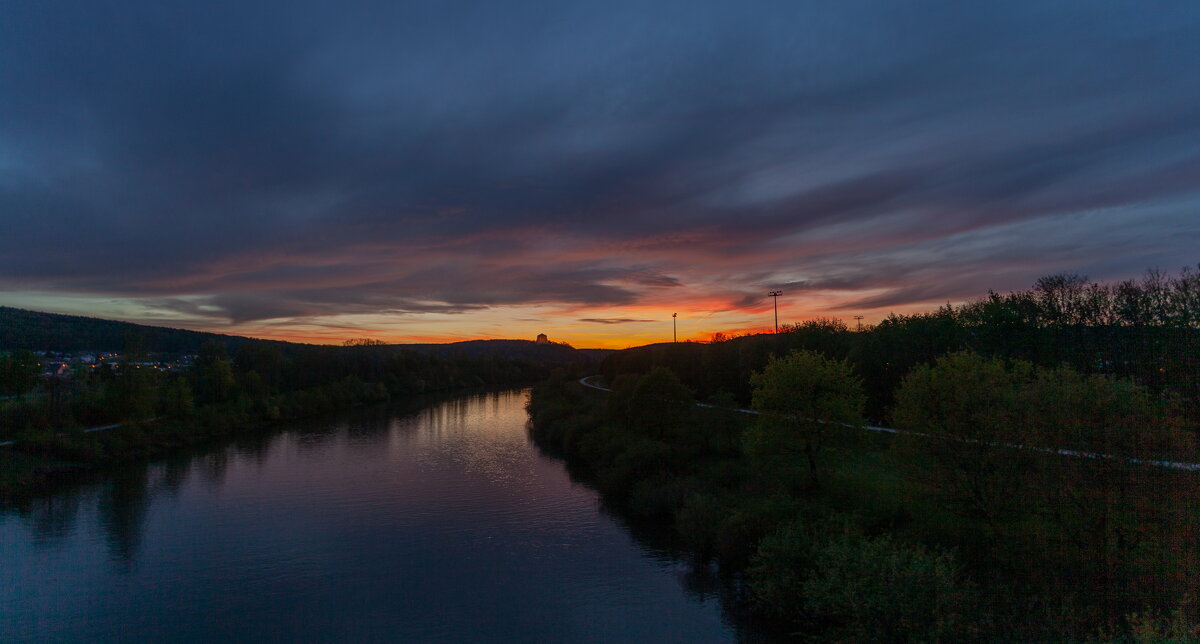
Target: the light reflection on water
pixel 439 524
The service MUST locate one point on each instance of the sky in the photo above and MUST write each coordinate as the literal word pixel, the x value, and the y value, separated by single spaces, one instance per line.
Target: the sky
pixel 441 171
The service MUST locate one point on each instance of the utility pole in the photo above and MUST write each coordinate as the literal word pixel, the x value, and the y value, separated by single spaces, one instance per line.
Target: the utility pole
pixel 859 319
pixel 776 294
pixel 674 329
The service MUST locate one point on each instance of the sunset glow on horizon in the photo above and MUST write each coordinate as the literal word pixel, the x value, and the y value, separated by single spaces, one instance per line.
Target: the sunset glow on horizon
pixel 466 170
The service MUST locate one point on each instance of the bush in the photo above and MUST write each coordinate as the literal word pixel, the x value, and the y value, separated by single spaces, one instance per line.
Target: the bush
pixel 781 566
pixel 699 519
pixel 656 404
pixel 879 589
pixel 751 519
pixel 641 459
pixel 660 496
pixel 1178 627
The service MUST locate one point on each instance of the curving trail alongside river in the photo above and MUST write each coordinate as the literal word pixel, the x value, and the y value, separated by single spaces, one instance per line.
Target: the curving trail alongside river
pixel 1074 453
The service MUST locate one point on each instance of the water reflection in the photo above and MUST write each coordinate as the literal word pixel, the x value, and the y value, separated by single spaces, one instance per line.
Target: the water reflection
pixel 314 439
pixel 701 578
pixel 175 471
pixel 425 523
pixel 256 447
pixel 53 517
pixel 121 509
pixel 212 468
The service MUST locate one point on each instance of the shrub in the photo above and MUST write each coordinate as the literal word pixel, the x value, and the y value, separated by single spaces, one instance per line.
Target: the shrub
pixel 780 567
pixel 880 589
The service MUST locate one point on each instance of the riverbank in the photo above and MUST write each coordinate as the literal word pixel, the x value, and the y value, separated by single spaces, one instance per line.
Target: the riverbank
pixel 38 462
pixel 875 552
pixel 418 520
pixel 689 472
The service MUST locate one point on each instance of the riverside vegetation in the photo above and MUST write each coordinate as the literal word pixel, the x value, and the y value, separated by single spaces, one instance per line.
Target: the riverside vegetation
pixel 969 528
pixel 218 396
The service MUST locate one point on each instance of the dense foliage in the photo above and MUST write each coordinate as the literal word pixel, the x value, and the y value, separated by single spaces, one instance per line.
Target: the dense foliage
pixel 218 395
pixel 1024 500
pixel 804 398
pixel 1101 517
pixel 1147 330
pixel 816 559
pixel 258 381
pixel 19 372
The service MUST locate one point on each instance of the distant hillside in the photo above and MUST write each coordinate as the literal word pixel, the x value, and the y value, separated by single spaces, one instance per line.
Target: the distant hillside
pixel 510 350
pixel 596 355
pixel 21 329
pixel 36 331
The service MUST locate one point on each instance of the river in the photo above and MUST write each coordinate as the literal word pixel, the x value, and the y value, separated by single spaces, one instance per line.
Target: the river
pixel 438 523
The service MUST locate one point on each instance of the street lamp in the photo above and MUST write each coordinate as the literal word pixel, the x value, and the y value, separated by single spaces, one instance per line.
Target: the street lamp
pixel 776 294
pixel 674 330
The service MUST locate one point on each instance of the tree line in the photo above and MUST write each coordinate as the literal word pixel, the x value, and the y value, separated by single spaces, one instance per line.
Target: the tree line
pixel 1147 330
pixel 972 525
pixel 220 393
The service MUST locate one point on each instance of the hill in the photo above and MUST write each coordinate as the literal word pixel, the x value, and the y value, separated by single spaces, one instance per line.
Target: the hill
pixel 37 331
pixel 509 350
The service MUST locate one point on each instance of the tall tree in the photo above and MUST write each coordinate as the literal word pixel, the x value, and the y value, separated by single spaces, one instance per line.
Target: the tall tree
pixel 804 398
pixel 213 373
pixel 962 408
pixel 19 372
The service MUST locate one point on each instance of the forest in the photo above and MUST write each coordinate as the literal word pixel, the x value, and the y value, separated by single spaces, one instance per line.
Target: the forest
pixel 219 394
pixel 1037 488
pixel 1146 330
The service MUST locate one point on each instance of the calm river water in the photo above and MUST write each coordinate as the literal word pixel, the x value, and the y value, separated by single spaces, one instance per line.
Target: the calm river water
pixel 442 523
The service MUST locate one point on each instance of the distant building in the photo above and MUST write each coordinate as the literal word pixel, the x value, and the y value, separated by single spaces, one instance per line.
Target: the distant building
pixel 542 339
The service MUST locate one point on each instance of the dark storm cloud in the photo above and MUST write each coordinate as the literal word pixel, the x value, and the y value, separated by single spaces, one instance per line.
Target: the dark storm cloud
pixel 274 160
pixel 448 288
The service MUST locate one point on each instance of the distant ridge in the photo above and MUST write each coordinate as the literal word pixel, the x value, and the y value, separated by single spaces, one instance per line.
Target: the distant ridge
pixel 34 330
pixel 37 331
pixel 509 349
